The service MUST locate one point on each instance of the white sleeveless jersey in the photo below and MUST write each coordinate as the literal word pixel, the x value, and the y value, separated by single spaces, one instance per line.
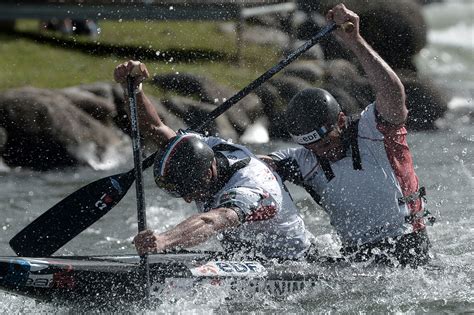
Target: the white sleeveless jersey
pixel 362 204
pixel 271 223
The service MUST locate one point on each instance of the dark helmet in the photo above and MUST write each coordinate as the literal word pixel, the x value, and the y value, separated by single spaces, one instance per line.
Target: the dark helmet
pixel 311 114
pixel 181 166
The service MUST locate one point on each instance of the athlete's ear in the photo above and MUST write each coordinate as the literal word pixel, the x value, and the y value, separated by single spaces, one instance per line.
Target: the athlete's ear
pixel 209 173
pixel 212 171
pixel 341 120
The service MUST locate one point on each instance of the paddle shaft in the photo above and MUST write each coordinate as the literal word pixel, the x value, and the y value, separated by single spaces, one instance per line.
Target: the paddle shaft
pixel 137 156
pixel 137 160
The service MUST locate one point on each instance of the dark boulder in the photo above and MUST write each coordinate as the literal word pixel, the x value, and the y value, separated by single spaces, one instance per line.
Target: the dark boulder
pixel 122 120
pixel 45 131
pixel 344 76
pixel 426 102
pixel 102 89
pixel 264 35
pixel 329 46
pixel 308 70
pixel 3 138
pixel 288 86
pixel 274 108
pixel 240 115
pixel 185 84
pixel 191 111
pixel 100 108
pixel 395 29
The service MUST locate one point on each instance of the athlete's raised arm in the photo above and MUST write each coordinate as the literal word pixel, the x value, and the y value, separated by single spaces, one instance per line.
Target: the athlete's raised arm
pixel 390 93
pixel 151 125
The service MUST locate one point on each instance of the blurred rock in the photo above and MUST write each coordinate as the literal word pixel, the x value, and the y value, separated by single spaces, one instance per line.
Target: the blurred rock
pixel 341 75
pixel 264 35
pixel 288 86
pixel 102 89
pixel 46 131
pixel 308 70
pixel 98 107
pixel 122 120
pixel 425 102
pixel 240 115
pixel 395 29
pixel 3 138
pixel 274 108
pixel 192 111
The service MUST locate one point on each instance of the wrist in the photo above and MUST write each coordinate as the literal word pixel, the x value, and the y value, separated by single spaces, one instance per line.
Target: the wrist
pixel 357 44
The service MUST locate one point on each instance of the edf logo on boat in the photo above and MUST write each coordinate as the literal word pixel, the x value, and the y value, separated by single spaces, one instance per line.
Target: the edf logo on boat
pixel 230 269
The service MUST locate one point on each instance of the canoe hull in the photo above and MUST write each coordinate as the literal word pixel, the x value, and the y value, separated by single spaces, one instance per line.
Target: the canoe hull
pixel 105 280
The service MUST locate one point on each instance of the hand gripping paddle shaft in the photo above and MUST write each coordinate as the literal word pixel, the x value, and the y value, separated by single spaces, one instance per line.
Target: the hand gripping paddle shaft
pixel 140 194
pixel 75 213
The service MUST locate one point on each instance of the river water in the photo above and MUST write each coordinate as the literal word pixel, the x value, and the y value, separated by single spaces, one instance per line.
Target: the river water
pixel 444 163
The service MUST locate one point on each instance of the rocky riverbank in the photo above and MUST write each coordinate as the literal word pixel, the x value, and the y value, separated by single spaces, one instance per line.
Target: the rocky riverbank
pixel 44 128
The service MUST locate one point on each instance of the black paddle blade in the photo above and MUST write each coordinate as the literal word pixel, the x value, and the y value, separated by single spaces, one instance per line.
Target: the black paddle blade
pixel 72 215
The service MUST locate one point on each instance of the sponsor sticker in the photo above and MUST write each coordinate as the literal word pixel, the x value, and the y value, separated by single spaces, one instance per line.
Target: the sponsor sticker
pixel 229 269
pixel 116 185
pixel 15 272
pixel 170 286
pixel 277 287
pixel 248 287
pixel 40 281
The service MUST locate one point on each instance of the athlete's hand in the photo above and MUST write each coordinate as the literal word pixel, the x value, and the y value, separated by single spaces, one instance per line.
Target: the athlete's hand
pixel 147 242
pixel 340 15
pixel 134 69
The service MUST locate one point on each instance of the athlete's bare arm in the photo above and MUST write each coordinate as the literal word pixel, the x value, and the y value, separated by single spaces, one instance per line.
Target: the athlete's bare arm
pixel 191 232
pixel 390 93
pixel 151 125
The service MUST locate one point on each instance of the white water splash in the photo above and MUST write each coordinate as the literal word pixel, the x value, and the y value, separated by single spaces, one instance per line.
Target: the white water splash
pixel 114 155
pixel 255 133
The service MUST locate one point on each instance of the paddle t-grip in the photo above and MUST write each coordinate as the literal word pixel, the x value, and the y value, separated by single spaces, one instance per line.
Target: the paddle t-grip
pixel 139 69
pixel 347 27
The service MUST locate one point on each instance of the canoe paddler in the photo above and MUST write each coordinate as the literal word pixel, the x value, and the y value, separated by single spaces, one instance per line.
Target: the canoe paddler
pixel 359 169
pixel 239 198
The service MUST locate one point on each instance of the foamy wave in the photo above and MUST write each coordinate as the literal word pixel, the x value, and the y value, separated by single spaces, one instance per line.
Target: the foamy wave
pixel 461 104
pixel 256 133
pixel 3 167
pixel 114 156
pixel 459 35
